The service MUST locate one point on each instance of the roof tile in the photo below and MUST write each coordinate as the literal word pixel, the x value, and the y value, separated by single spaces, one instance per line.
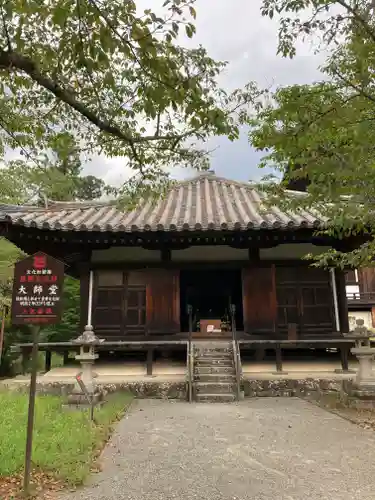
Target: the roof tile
pixel 206 202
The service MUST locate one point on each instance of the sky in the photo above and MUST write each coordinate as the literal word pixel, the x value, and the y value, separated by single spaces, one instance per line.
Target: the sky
pixel 234 31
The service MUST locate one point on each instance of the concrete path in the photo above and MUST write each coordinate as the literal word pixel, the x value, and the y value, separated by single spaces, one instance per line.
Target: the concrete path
pixel 279 449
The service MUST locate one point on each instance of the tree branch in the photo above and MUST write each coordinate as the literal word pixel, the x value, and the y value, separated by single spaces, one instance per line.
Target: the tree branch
pixel 6 30
pixel 358 17
pixel 10 60
pixel 347 82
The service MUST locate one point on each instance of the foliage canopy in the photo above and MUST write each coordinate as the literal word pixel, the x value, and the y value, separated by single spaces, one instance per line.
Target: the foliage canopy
pixel 116 79
pixel 324 132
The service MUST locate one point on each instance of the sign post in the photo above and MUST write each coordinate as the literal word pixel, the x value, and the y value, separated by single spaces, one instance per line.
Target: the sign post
pixel 2 329
pixel 31 412
pixel 36 301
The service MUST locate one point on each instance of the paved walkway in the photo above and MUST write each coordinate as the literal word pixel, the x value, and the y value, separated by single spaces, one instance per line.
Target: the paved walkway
pixel 279 449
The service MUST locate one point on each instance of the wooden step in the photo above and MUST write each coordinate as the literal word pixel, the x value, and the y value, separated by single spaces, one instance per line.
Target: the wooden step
pixel 214 354
pixel 215 377
pixel 215 398
pixel 214 387
pixel 213 362
pixel 216 369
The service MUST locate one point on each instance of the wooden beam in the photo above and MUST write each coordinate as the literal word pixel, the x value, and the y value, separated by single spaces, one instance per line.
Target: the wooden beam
pixel 254 254
pixel 98 240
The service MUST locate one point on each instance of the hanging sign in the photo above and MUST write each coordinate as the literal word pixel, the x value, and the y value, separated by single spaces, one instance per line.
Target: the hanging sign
pixel 37 290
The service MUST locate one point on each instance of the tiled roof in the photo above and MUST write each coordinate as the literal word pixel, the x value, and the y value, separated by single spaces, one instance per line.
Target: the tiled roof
pixel 206 202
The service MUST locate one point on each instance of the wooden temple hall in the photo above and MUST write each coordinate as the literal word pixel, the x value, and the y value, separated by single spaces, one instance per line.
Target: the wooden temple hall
pixel 209 245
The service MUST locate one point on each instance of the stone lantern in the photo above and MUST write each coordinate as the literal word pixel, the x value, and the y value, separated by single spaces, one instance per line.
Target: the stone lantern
pixel 365 354
pixel 87 356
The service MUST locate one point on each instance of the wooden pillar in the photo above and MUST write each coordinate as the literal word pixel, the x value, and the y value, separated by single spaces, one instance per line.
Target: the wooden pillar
pixel 260 353
pixel 279 359
pixel 66 358
pixel 344 355
pixel 166 254
pixel 48 360
pixel 373 316
pixel 342 302
pixel 254 254
pixel 292 331
pixel 336 311
pixel 150 359
pixel 84 295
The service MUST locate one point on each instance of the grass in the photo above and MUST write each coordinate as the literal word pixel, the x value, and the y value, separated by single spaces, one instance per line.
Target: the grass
pixel 65 442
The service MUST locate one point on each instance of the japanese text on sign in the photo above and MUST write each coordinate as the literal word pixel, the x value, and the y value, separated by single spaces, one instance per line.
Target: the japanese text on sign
pixel 37 290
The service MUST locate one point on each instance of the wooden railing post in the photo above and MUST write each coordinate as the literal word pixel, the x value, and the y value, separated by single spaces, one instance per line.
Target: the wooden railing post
pixel 233 322
pixel 190 354
pixel 149 363
pixel 236 353
pixel 279 359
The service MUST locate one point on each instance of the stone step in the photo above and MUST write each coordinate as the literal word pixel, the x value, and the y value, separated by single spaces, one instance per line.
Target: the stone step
pixel 217 369
pixel 212 344
pixel 210 350
pixel 215 398
pixel 285 393
pixel 210 355
pixel 214 356
pixel 213 362
pixel 214 387
pixel 215 377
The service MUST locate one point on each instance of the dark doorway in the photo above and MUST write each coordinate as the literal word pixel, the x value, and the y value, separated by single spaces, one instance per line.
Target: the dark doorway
pixel 210 292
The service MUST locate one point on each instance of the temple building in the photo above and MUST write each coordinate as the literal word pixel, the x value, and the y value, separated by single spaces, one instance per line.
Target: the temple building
pixel 209 244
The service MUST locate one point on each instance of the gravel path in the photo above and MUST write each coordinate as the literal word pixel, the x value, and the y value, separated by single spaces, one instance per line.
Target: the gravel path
pixel 279 449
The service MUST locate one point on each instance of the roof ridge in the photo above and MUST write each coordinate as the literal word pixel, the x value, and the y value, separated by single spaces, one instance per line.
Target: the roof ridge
pixel 52 204
pixel 212 176
pixel 16 208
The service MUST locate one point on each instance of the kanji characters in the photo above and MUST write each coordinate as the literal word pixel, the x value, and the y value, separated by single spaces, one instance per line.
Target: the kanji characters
pixel 53 289
pixel 38 289
pixel 22 290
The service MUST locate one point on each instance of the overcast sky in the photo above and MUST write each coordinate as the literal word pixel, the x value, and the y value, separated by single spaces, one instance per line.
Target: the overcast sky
pixel 236 32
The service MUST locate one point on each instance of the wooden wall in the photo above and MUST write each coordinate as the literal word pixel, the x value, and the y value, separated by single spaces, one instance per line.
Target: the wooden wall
pixel 136 302
pixel 259 299
pixel 283 299
pixel 366 278
pixel 290 300
pixel 163 301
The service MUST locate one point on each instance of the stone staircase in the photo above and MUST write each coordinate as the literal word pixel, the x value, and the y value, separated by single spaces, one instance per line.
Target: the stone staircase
pixel 214 371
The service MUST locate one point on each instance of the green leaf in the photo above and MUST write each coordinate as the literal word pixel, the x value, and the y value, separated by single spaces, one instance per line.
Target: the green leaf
pixel 111 79
pixel 193 12
pixel 189 31
pixel 61 13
